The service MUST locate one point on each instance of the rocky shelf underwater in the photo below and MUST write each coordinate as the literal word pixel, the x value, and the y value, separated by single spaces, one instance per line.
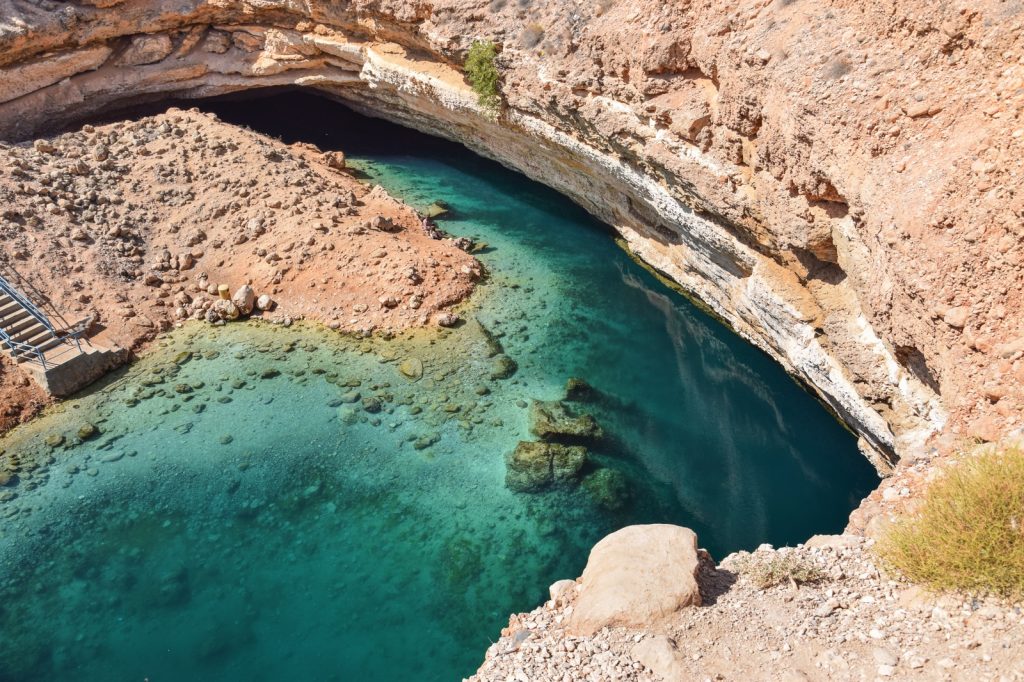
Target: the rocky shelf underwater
pixel 257 502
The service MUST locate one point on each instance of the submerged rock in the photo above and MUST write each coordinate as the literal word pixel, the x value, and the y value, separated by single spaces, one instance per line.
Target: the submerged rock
pixel 87 431
pixel 554 421
pixel 579 391
pixel 609 488
pixel 411 368
pixel 438 209
pixel 503 367
pixel 534 466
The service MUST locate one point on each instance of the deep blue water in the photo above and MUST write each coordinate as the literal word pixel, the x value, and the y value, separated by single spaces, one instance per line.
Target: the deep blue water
pixel 276 532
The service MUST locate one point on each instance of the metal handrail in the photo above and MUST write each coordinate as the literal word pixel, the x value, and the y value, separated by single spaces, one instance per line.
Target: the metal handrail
pixel 7 288
pixel 20 347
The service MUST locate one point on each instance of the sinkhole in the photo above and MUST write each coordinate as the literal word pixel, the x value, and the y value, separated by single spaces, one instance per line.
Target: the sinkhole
pixel 265 525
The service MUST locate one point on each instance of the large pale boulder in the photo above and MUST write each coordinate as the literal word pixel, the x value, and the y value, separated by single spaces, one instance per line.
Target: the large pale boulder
pixel 635 577
pixel 244 299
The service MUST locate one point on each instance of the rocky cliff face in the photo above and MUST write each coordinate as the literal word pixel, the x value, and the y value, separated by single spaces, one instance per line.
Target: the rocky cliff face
pixel 837 180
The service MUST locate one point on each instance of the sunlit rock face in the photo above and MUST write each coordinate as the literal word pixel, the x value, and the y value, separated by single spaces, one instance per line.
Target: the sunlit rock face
pixel 833 181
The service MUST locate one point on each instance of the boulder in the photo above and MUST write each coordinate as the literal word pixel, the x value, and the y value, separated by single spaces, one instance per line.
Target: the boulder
pixel 447 320
pixel 534 466
pixel 635 577
pixel 244 299
pixel 562 591
pixel 87 431
pixel 554 421
pixel 225 310
pixel 264 303
pixel 438 209
pixel 335 160
pixel 578 390
pixel 146 49
pixel 503 367
pixel 411 368
pixel 660 655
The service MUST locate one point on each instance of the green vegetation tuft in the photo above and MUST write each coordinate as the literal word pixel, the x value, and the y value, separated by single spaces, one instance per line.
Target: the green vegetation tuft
pixel 483 74
pixel 969 533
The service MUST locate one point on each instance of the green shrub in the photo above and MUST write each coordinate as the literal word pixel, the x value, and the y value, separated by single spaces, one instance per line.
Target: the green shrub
pixel 969 532
pixel 483 74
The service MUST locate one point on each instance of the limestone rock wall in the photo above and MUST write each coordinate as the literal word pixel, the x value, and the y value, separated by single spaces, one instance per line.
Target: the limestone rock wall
pixel 837 180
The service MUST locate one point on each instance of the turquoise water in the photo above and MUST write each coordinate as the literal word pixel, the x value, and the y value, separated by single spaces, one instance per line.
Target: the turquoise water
pixel 239 517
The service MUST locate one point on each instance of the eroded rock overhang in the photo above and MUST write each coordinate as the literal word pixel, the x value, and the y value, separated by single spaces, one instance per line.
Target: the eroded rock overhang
pixel 59 68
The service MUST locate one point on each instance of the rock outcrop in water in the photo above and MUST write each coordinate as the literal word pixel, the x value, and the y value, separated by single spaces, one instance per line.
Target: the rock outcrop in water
pixel 835 181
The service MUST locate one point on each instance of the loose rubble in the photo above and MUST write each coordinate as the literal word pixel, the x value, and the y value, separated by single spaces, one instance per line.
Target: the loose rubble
pixel 134 227
pixel 854 623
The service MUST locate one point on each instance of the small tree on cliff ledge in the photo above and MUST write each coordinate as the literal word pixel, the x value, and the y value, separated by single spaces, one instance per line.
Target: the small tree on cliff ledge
pixel 483 74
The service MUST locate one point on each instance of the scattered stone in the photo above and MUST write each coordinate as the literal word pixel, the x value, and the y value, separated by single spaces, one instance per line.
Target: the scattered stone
pixel 503 367
pixel 660 655
pixel 411 368
pixel 447 319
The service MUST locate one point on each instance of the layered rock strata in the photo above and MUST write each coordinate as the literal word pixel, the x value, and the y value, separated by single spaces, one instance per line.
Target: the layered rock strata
pixel 836 181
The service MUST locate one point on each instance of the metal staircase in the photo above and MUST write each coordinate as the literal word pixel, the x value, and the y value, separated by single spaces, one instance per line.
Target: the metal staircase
pixel 27 334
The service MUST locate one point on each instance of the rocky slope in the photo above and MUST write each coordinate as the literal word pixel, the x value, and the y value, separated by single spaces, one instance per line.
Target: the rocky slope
pixel 130 228
pixel 839 619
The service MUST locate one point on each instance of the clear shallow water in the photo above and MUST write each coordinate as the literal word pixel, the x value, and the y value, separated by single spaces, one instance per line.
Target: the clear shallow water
pixel 235 519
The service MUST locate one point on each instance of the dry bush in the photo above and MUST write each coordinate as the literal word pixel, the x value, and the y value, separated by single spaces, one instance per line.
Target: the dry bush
pixel 778 568
pixel 969 532
pixel 531 35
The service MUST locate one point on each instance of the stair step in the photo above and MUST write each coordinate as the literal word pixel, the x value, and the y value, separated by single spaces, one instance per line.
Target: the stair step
pixel 33 335
pixel 17 324
pixel 9 308
pixel 53 342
